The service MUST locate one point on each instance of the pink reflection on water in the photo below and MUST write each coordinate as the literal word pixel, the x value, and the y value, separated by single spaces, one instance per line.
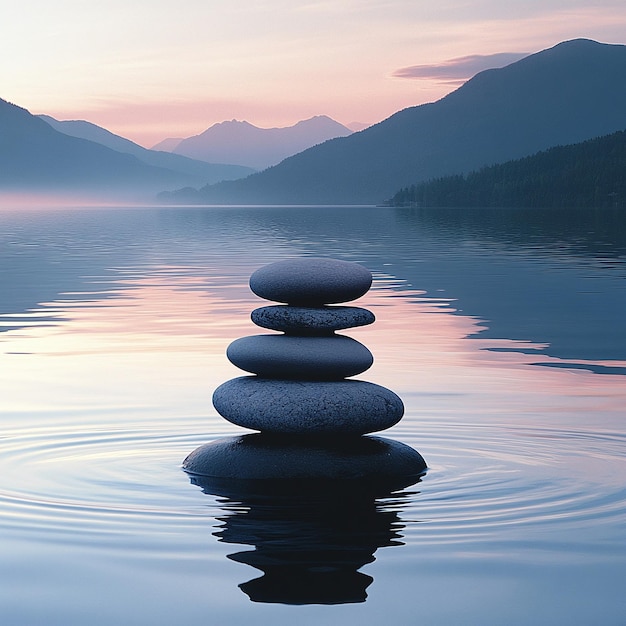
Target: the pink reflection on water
pixel 158 339
pixel 153 341
pixel 435 361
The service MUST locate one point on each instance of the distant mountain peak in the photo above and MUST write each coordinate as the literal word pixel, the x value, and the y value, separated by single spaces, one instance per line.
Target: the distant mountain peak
pixel 243 143
pixel 579 41
pixel 234 122
pixel 167 145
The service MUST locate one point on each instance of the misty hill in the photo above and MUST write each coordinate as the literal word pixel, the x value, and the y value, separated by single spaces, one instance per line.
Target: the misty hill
pixel 566 94
pixel 167 145
pixel 591 174
pixel 242 143
pixel 36 158
pixel 207 172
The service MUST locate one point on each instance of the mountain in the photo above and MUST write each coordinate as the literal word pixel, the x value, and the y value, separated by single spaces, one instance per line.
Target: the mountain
pixel 566 94
pixel 167 145
pixel 36 158
pixel 584 175
pixel 207 172
pixel 242 143
pixel 357 126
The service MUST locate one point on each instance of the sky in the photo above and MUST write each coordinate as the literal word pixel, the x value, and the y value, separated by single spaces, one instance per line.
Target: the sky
pixel 152 69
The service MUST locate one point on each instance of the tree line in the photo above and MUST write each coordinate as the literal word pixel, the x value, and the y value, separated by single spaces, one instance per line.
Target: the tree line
pixel 591 174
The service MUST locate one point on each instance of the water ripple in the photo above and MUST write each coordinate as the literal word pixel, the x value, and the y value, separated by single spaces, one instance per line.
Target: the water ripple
pixel 87 486
pixel 486 481
pixel 81 484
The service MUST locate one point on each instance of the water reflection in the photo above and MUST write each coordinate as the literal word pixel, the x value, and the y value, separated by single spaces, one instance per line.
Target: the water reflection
pixel 130 313
pixel 547 276
pixel 551 277
pixel 316 513
pixel 309 549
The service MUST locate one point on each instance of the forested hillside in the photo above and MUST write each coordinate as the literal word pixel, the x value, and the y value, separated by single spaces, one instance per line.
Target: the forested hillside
pixel 588 174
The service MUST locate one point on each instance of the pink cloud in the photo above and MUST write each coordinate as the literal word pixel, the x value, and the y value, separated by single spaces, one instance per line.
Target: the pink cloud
pixel 460 68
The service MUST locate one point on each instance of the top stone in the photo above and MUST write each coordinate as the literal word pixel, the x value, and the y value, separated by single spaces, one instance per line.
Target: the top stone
pixel 311 281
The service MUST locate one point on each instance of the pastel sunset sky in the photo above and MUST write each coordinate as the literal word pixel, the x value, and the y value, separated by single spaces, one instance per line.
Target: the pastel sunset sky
pixel 151 69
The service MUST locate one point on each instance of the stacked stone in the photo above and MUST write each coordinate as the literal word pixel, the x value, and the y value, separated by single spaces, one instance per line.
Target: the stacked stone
pixel 300 385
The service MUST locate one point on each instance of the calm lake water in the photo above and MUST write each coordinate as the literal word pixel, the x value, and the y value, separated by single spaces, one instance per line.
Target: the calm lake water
pixel 502 330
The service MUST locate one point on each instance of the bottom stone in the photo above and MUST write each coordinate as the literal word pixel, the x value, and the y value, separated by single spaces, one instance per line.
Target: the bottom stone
pixel 306 513
pixel 346 407
pixel 261 464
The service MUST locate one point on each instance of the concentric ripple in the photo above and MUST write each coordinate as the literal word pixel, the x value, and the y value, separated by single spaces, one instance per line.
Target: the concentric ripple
pixel 489 483
pixel 82 485
pixel 485 484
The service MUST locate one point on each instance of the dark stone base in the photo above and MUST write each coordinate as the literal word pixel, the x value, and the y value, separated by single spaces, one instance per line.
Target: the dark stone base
pixel 266 465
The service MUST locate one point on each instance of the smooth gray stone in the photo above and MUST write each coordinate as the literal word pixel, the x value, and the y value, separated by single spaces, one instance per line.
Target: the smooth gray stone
pixel 262 465
pixel 346 407
pixel 299 320
pixel 311 281
pixel 300 358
